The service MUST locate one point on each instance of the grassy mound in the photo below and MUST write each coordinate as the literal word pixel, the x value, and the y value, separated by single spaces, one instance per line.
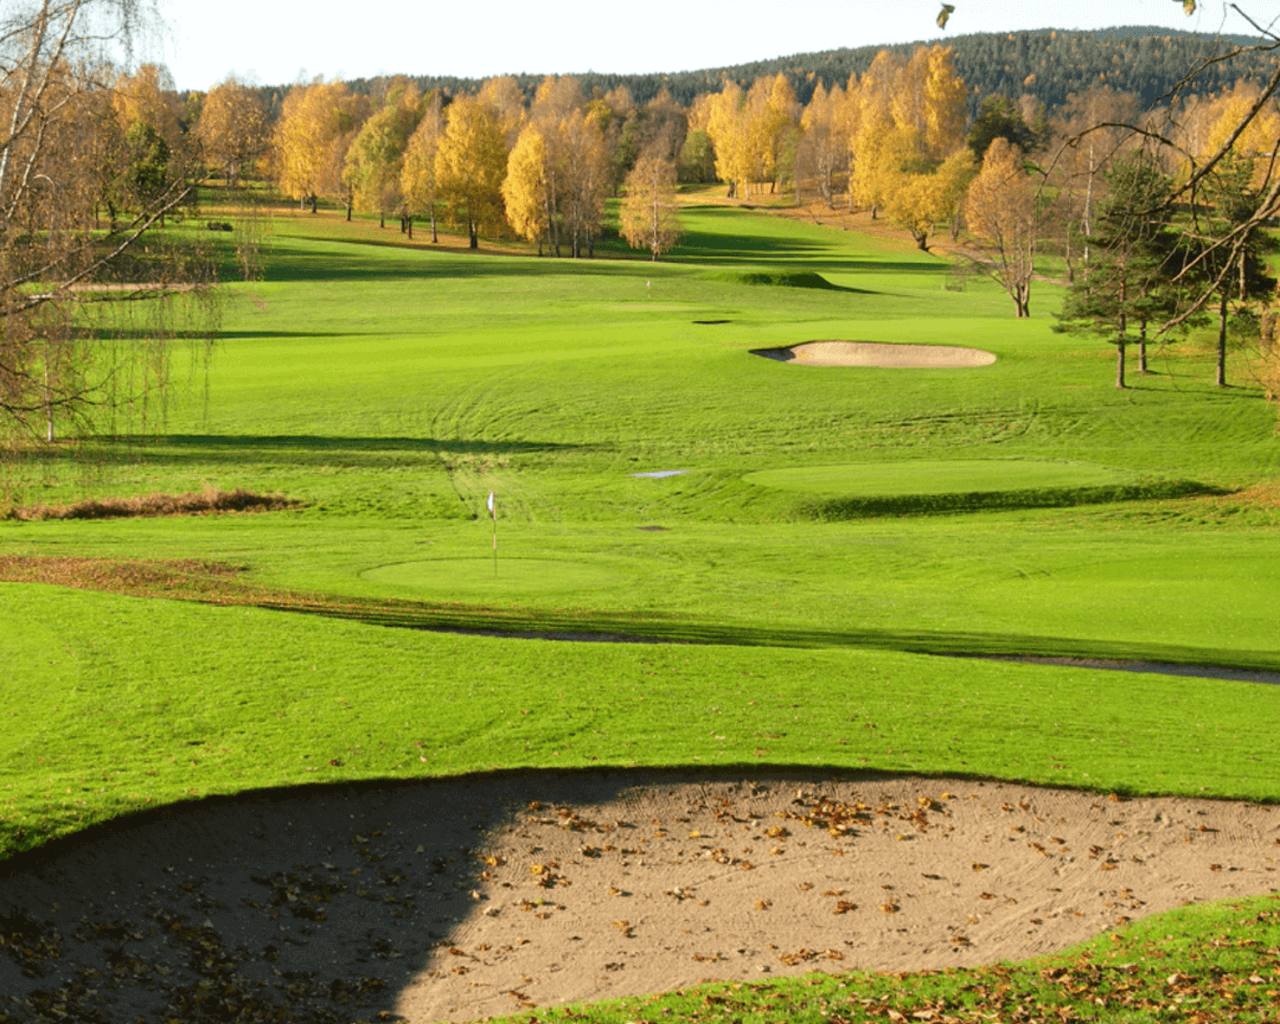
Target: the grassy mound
pixel 858 507
pixel 778 279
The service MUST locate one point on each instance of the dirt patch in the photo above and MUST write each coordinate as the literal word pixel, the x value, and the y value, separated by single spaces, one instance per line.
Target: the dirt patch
pixel 457 899
pixel 191 504
pixel 878 354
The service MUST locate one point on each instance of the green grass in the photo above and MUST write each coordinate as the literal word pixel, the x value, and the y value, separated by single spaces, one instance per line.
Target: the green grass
pixel 835 534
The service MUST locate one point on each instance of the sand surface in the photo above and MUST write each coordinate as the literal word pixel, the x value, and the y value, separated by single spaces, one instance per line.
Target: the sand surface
pixel 878 354
pixel 454 900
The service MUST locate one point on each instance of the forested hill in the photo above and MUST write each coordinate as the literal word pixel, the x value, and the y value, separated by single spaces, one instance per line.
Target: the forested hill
pixel 1048 64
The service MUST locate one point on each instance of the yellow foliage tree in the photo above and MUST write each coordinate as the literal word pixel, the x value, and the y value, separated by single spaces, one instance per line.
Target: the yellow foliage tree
pixel 471 164
pixel 648 215
pixel 823 151
pixel 148 97
pixel 946 105
pixel 418 171
pixel 316 126
pixel 375 158
pixel 233 127
pixel 728 130
pixel 921 201
pixel 1001 209
pixel 586 178
pixel 754 134
pixel 524 190
pixel 506 97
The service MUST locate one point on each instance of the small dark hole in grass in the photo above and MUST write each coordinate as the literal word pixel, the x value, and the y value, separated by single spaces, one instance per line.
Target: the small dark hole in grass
pixel 712 323
pixel 653 528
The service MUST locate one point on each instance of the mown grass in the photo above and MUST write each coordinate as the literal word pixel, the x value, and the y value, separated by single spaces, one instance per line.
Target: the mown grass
pixel 390 388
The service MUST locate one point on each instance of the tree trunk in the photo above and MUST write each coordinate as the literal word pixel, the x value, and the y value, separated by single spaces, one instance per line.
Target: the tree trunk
pixel 1221 376
pixel 409 224
pixel 1142 346
pixel 1120 345
pixel 1022 299
pixel 434 237
pixel 922 240
pixel 315 200
pixel 473 230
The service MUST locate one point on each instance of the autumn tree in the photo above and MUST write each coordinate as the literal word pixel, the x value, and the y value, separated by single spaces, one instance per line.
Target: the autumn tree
pixel 471 163
pixel 505 96
pixel 823 152
pixel 872 167
pixel 922 200
pixel 524 190
pixel 661 123
pixel 648 215
pixel 1002 214
pixel 754 133
pixel 316 127
pixel 373 161
pixel 418 183
pixel 727 128
pixel 232 127
pixel 88 318
pixel 586 178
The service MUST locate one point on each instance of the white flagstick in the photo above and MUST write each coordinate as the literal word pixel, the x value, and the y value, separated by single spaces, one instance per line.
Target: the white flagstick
pixel 493 509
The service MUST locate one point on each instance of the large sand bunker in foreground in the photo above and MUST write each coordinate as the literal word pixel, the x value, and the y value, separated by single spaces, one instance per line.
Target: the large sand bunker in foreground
pixel 455 899
pixel 878 354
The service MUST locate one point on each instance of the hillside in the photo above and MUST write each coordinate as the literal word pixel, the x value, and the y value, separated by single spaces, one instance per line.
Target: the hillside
pixel 1048 64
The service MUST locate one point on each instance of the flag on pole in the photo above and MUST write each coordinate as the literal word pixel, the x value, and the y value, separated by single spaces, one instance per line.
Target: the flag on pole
pixel 493 511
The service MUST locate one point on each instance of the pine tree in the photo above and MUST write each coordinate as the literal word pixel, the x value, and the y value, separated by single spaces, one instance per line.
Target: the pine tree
pixel 1135 258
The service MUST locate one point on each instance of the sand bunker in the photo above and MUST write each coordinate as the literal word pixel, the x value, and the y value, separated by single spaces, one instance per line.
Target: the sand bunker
pixel 878 354
pixel 457 899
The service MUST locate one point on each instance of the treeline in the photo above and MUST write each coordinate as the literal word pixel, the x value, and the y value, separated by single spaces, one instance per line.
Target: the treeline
pixel 1048 65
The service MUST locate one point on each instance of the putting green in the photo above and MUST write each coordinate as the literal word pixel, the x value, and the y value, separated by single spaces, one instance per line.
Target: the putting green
pixel 474 577
pixel 875 479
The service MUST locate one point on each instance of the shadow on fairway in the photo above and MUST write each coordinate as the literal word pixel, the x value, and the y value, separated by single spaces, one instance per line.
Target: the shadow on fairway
pixel 631 627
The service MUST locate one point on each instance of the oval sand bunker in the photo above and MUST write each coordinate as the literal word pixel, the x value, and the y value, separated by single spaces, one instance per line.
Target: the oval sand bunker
pixel 878 354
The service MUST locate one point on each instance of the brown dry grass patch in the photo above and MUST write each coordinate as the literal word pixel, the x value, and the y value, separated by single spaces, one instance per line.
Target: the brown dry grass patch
pixel 194 503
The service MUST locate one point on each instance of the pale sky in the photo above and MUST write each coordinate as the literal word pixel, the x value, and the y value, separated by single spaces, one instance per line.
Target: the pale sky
pixel 270 42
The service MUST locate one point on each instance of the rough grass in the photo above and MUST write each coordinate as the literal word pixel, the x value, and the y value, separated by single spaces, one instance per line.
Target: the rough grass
pixel 211 499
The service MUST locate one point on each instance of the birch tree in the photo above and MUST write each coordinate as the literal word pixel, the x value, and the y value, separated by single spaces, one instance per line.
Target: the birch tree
pixel 1001 208
pixel 648 215
pixel 471 164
